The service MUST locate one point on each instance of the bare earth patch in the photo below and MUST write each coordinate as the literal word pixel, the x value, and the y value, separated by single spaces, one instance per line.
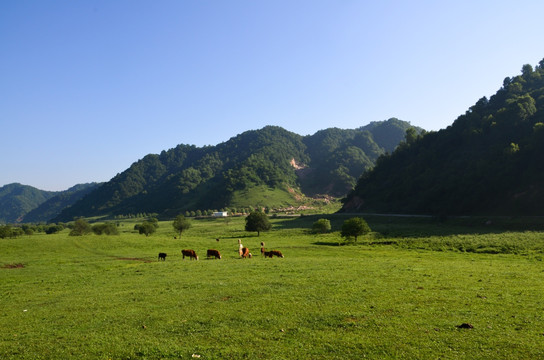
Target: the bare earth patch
pixel 13 266
pixel 134 259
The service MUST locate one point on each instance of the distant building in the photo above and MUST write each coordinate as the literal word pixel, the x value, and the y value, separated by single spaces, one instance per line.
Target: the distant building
pixel 220 214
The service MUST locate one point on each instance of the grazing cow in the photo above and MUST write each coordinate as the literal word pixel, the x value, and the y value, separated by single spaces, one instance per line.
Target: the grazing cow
pixel 213 253
pixel 276 253
pixel 162 256
pixel 190 253
pixel 246 253
pixel 273 253
pixel 262 248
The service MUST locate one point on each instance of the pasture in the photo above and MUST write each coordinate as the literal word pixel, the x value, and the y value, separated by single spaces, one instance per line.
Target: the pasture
pixel 401 292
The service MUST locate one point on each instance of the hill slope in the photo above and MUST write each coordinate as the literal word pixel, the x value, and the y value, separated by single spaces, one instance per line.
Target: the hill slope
pixel 16 200
pixel 23 203
pixel 486 162
pixel 339 157
pixel 213 177
pixel 53 206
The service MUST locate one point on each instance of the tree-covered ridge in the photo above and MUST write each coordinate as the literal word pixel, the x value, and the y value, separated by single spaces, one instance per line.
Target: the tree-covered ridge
pixel 341 156
pixel 53 206
pixel 189 178
pixel 486 162
pixel 23 203
pixel 16 200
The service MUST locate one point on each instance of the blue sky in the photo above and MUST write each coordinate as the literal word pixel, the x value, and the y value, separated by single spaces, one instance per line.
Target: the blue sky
pixel 89 87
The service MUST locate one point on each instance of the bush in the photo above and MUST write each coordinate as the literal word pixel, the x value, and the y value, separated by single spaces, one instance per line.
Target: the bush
pixel 53 229
pixel 147 228
pixel 8 231
pixel 321 226
pixel 81 227
pixel 105 229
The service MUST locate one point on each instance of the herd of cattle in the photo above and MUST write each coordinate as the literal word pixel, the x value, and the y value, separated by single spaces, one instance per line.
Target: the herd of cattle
pixel 212 253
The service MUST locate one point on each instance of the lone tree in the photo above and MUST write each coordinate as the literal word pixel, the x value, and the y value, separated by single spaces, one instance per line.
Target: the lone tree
pixel 257 221
pixel 181 223
pixel 321 226
pixel 354 227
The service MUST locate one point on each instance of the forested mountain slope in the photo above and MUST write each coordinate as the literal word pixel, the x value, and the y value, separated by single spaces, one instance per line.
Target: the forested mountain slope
pixel 23 203
pixel 339 157
pixel 53 206
pixel 489 161
pixel 190 178
pixel 16 200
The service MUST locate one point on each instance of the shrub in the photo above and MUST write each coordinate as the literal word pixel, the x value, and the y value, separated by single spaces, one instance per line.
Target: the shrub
pixel 53 229
pixel 106 229
pixel 81 227
pixel 321 226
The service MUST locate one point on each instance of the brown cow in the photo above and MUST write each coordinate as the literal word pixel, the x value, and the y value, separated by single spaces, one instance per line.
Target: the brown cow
pixel 190 253
pixel 276 253
pixel 162 256
pixel 273 253
pixel 213 253
pixel 246 253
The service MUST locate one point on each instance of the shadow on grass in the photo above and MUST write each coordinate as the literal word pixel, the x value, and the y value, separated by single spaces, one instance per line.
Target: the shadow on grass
pixel 327 243
pixel 402 226
pixel 340 243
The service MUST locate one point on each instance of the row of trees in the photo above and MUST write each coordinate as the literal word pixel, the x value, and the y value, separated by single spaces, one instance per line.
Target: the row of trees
pixel 135 216
pixel 29 229
pixel 7 231
pixel 78 227
pixel 256 221
pixel 82 227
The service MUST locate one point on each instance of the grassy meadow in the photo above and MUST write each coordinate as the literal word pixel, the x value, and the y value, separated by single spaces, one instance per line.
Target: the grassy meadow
pixel 400 292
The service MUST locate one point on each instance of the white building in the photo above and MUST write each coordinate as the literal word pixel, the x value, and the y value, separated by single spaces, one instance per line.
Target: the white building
pixel 220 214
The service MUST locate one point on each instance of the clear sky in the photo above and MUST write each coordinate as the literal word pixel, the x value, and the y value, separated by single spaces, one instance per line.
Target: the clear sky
pixel 89 87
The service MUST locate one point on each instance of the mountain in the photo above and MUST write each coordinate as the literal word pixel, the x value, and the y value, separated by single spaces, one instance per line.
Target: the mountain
pixel 266 167
pixel 53 206
pixel 487 162
pixel 339 157
pixel 23 203
pixel 16 200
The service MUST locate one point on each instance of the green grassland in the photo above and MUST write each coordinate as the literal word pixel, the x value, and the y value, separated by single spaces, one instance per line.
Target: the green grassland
pixel 400 292
pixel 281 199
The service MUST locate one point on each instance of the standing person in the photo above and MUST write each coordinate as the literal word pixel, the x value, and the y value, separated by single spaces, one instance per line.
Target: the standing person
pixel 240 247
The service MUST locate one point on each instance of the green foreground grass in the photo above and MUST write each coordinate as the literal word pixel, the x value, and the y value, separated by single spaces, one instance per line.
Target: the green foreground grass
pixel 400 293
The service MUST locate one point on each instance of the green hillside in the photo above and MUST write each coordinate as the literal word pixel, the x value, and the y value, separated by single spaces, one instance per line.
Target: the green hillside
pixel 16 200
pixel 486 162
pixel 53 206
pixel 291 167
